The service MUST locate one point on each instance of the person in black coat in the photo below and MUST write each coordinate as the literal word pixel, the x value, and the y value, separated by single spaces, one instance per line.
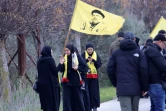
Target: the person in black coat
pixel 164 50
pixel 48 84
pixel 71 80
pixel 127 70
pixel 157 67
pixel 92 58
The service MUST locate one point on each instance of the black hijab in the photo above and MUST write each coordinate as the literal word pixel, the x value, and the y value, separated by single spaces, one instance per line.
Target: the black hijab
pixel 70 47
pixel 46 51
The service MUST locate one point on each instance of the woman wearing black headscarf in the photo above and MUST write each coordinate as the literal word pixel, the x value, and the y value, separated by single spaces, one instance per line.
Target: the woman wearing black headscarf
pixel 94 62
pixel 48 84
pixel 71 79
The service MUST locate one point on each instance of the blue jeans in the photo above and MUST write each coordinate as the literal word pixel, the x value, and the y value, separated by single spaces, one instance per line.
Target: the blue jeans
pixel 157 97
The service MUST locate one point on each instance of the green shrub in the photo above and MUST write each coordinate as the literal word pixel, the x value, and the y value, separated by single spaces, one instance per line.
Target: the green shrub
pixel 107 93
pixel 23 99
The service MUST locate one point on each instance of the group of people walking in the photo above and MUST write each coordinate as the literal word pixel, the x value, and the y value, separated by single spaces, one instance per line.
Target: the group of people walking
pixel 80 84
pixel 135 71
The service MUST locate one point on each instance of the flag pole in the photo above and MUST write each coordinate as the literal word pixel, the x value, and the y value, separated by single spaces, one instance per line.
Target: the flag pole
pixel 67 37
pixel 68 33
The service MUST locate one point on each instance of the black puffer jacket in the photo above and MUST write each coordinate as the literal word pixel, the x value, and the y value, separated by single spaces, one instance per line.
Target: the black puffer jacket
pixel 156 63
pixel 127 69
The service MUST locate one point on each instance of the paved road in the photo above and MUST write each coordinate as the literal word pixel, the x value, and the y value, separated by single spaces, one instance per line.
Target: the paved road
pixel 114 105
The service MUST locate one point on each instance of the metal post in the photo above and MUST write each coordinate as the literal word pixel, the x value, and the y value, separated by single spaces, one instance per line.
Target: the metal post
pixel 21 54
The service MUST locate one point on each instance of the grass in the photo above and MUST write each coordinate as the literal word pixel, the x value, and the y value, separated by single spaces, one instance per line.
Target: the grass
pixel 25 99
pixel 22 99
pixel 107 93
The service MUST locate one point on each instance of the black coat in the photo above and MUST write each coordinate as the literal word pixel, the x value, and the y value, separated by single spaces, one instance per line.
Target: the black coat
pixel 48 84
pixel 72 74
pixel 127 69
pixel 156 63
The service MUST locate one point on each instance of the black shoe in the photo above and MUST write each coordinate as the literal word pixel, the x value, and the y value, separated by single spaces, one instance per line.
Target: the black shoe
pixel 94 109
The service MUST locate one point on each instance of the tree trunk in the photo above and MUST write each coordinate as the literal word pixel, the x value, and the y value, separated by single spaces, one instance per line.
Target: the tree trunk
pixel 5 88
pixel 78 41
pixel 42 42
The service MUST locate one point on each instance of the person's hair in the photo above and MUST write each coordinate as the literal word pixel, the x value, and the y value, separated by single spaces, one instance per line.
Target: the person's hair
pixel 121 34
pixel 162 31
pixel 149 41
pixel 99 12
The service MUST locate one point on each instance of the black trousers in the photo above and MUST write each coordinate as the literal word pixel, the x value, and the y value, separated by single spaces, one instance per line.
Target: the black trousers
pixel 72 98
pixel 86 98
pixel 57 99
pixel 49 98
pixel 48 110
pixel 93 86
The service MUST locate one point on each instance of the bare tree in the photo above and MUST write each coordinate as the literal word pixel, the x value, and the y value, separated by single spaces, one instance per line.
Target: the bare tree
pixel 21 17
pixel 148 10
pixel 5 89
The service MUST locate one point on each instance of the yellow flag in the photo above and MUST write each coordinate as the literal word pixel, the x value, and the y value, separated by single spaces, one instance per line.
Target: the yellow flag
pixel 91 20
pixel 161 25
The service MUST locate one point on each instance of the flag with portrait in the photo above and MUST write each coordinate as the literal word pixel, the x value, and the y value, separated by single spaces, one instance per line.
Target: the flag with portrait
pixel 91 20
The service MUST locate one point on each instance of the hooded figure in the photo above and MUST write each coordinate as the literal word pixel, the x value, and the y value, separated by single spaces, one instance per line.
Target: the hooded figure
pixel 72 66
pixel 48 84
pixel 115 45
pixel 94 62
pixel 127 71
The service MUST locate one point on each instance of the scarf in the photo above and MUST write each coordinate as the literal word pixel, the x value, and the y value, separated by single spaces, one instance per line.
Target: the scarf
pixel 74 63
pixel 93 70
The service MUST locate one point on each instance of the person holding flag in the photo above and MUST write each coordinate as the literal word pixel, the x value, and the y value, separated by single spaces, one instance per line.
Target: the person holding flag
pixel 94 62
pixel 72 66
